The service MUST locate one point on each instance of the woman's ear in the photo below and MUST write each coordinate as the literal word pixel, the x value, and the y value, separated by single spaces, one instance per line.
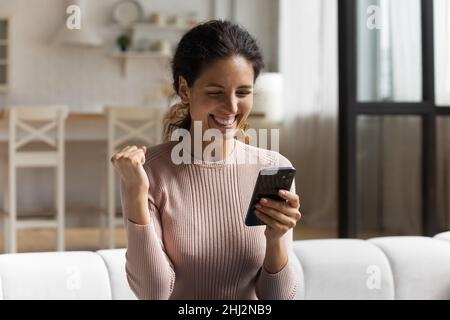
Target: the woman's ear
pixel 183 90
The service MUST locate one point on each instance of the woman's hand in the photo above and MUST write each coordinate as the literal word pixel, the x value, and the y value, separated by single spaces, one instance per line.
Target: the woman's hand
pixel 279 216
pixel 129 164
pixel 134 181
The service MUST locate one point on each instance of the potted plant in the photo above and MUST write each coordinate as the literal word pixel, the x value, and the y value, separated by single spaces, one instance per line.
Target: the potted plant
pixel 123 41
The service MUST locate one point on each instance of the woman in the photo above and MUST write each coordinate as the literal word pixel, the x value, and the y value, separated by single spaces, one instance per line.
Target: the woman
pixel 185 222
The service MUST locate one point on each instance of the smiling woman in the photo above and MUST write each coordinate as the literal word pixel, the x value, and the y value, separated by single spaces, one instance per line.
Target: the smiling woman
pixel 186 234
pixel 214 70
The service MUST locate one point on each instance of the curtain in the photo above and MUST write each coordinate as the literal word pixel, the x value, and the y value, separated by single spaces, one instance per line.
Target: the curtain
pixel 442 82
pixel 401 151
pixel 389 148
pixel 308 63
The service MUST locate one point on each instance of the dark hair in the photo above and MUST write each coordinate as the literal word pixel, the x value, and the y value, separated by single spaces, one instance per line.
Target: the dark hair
pixel 198 48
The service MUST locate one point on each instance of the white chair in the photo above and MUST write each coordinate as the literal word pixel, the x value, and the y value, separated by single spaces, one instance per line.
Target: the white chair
pixel 127 125
pixel 21 119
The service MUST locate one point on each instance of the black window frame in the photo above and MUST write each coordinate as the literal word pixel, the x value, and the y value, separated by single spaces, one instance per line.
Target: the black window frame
pixel 350 109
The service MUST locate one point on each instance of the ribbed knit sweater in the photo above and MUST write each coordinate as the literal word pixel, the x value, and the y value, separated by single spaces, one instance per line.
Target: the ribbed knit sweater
pixel 197 245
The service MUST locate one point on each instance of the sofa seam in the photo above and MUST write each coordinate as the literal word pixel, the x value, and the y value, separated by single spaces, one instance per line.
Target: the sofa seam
pixel 390 266
pixel 109 274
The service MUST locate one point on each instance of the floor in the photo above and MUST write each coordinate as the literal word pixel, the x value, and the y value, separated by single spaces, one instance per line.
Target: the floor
pixel 89 238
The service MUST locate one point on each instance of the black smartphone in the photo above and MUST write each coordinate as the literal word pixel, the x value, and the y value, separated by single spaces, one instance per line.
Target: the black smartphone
pixel 270 180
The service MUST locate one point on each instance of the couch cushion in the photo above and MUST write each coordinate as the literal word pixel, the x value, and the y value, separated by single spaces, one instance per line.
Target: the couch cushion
pixel 344 269
pixel 1 289
pixel 443 236
pixel 54 275
pixel 420 265
pixel 115 262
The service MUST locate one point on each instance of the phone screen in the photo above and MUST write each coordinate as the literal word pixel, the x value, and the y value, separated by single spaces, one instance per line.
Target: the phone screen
pixel 269 182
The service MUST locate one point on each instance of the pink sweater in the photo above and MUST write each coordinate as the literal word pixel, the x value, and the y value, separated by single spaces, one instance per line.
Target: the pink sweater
pixel 197 245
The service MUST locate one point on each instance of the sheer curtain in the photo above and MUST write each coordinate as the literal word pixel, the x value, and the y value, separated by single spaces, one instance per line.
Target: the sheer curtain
pixel 402 203
pixel 442 81
pixel 308 62
pixel 442 51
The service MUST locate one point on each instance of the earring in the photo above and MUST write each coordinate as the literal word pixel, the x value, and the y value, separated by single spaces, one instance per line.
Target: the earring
pixel 243 132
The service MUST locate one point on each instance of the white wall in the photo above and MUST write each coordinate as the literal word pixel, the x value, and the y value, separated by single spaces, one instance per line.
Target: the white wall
pixel 87 79
pixel 82 78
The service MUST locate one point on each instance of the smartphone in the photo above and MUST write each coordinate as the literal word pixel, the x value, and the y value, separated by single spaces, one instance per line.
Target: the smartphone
pixel 269 181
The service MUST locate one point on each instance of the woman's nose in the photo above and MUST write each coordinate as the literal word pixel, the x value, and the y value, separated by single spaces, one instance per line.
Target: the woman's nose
pixel 232 105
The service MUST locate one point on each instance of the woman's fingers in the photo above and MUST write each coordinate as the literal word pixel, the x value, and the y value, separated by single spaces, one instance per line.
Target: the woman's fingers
pixel 278 216
pixel 138 154
pixel 281 206
pixel 129 164
pixel 292 198
pixel 126 151
pixel 271 222
pixel 121 153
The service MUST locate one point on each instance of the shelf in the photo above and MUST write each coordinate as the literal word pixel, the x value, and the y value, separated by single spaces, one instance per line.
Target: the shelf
pixel 155 27
pixel 148 35
pixel 140 55
pixel 126 56
pixel 152 27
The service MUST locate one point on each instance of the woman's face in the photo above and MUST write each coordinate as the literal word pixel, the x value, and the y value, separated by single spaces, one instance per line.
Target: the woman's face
pixel 222 97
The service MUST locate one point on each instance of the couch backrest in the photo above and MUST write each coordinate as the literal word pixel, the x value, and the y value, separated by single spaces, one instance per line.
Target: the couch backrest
pixel 380 268
pixel 420 266
pixel 344 269
pixel 54 275
pixel 115 263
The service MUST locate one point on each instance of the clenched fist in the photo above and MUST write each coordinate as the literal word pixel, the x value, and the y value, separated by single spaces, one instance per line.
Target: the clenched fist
pixel 129 164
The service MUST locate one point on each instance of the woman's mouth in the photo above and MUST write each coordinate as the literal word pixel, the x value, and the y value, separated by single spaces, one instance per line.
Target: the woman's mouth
pixel 224 122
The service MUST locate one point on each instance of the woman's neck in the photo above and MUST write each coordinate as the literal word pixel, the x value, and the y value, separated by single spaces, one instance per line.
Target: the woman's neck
pixel 216 152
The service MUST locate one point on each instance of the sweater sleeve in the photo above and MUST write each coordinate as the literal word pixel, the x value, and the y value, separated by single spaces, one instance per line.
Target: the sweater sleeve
pixel 149 270
pixel 282 285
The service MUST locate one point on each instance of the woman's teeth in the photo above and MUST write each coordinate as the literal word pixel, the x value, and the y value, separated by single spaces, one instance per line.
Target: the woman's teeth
pixel 224 122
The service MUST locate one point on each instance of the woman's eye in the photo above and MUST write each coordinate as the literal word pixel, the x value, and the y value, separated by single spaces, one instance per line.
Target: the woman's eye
pixel 214 93
pixel 243 93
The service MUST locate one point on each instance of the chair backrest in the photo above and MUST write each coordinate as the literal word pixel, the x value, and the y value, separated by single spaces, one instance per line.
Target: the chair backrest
pixel 123 125
pixel 21 118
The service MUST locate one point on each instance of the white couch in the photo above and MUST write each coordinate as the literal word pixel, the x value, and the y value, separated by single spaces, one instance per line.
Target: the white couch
pixel 378 268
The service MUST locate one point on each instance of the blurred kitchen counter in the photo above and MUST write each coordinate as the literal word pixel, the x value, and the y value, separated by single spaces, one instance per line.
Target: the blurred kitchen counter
pixel 93 126
pixel 80 126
